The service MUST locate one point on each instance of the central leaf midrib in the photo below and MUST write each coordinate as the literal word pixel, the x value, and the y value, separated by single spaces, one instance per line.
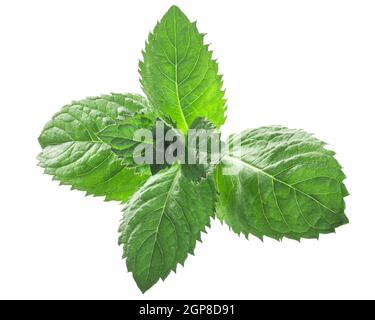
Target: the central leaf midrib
pixel 185 125
pixel 172 185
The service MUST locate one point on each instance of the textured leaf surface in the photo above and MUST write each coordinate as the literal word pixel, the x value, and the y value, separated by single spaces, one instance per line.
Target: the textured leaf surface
pixel 162 223
pixel 123 139
pixel 75 155
pixel 178 74
pixel 287 185
pixel 121 136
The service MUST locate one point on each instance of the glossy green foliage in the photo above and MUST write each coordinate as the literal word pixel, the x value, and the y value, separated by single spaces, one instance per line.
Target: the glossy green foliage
pixel 75 155
pixel 123 139
pixel 178 74
pixel 273 182
pixel 286 184
pixel 162 223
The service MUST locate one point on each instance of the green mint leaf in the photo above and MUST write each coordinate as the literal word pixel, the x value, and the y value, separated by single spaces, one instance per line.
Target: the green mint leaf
pixel 124 141
pixel 178 74
pixel 162 223
pixel 75 155
pixel 281 183
pixel 121 136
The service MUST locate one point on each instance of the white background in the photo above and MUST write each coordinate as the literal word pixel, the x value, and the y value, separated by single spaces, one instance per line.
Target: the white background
pixel 302 64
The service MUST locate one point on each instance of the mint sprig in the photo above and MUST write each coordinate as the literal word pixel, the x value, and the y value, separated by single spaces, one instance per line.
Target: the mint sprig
pixel 273 181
